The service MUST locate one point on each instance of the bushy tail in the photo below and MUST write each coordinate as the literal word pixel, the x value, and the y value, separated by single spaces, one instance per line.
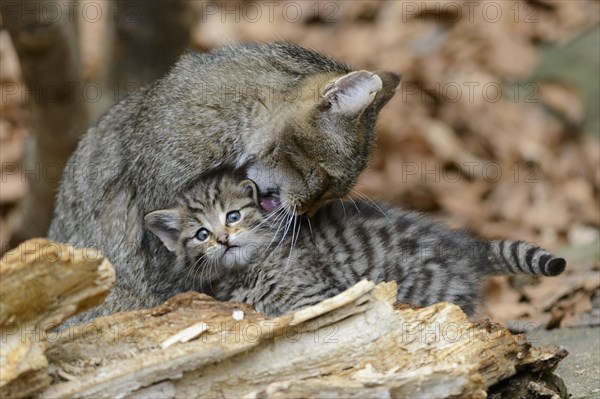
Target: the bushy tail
pixel 522 257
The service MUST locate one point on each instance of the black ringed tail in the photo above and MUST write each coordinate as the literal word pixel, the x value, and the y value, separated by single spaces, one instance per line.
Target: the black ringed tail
pixel 520 257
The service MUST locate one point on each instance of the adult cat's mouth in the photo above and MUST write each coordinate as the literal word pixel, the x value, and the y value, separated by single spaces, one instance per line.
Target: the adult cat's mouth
pixel 270 202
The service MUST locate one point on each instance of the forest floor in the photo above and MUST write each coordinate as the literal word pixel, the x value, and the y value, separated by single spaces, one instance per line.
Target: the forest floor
pixel 579 370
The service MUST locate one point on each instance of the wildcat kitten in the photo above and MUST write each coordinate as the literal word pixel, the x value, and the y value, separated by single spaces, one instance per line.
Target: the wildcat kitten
pixel 225 242
pixel 302 122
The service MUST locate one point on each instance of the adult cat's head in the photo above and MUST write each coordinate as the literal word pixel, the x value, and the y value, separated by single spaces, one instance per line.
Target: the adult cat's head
pixel 302 123
pixel 322 140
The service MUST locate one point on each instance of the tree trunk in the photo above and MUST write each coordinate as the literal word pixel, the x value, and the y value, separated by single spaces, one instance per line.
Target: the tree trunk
pixel 44 36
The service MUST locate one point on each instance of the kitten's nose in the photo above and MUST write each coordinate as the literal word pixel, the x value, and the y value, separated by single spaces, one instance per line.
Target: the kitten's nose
pixel 223 238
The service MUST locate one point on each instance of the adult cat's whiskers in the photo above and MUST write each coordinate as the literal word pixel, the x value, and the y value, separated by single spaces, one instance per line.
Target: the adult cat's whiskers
pixel 281 219
pixel 311 232
pixel 343 207
pixel 356 206
pixel 289 215
pixel 294 238
pixel 277 212
pixel 364 196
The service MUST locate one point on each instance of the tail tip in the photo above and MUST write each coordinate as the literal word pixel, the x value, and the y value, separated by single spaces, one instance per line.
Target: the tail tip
pixel 556 266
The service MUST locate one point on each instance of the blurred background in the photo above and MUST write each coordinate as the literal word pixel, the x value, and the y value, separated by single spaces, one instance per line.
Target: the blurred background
pixel 495 127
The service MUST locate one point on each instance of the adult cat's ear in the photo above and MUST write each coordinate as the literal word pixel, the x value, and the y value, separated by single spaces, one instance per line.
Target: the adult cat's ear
pixel 250 189
pixel 164 224
pixel 390 82
pixel 351 94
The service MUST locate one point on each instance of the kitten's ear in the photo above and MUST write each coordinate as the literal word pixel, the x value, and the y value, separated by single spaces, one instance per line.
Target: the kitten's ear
pixel 351 94
pixel 250 189
pixel 165 225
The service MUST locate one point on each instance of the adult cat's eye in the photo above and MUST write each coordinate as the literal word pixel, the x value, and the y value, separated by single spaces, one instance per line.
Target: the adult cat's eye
pixel 202 234
pixel 233 216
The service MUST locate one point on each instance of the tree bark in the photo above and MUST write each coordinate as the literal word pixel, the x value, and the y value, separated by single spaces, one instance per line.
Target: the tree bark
pixel 150 37
pixel 44 36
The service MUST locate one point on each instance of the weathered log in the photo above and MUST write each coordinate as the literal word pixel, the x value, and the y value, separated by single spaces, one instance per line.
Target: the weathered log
pixel 41 285
pixel 356 344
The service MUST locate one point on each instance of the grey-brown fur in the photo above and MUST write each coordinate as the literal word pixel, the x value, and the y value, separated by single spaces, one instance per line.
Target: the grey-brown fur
pixel 302 122
pixel 344 243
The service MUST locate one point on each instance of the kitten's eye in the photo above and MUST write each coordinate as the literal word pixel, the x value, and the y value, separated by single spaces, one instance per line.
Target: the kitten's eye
pixel 233 217
pixel 202 234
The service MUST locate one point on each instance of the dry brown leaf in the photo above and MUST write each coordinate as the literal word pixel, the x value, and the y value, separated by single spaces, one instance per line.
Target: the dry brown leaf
pixel 549 290
pixel 502 301
pixel 564 99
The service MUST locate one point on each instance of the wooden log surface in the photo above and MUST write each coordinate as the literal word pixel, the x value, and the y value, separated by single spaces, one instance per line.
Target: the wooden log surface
pixel 42 284
pixel 356 344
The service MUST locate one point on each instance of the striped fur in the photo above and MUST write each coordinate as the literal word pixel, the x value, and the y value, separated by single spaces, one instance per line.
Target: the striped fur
pixel 522 257
pixel 343 243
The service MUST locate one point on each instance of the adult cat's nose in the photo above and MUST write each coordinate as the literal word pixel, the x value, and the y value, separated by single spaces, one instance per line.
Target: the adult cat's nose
pixel 223 238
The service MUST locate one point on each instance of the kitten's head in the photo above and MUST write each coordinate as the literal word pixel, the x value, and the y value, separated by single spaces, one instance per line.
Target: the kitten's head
pixel 216 224
pixel 322 140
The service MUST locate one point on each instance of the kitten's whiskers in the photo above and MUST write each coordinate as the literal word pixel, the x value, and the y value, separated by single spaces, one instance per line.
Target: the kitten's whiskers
pixel 203 268
pixel 190 272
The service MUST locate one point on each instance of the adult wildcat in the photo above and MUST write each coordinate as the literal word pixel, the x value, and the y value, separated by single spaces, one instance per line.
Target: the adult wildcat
pixel 225 242
pixel 302 122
